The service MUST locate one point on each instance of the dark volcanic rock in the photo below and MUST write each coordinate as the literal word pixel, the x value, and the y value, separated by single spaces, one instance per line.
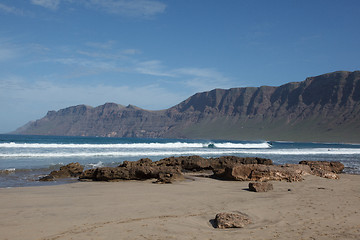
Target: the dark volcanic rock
pixel 321 108
pixel 70 170
pixel 197 163
pixel 231 220
pixel 140 170
pixel 260 186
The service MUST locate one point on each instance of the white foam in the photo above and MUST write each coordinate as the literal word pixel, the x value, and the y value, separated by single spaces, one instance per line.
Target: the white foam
pixel 242 145
pixel 174 145
pixel 96 165
pixel 8 170
pixel 201 151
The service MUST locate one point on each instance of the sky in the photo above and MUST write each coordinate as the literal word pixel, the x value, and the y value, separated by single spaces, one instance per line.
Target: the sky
pixel 156 53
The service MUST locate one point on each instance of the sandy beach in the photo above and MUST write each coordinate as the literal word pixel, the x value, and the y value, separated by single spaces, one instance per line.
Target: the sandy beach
pixel 315 208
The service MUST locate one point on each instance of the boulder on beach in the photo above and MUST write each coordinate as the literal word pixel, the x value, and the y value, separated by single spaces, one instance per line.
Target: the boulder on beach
pixel 260 186
pixel 231 220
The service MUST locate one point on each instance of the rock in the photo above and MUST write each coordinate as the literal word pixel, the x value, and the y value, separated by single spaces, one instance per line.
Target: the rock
pixel 324 169
pixel 335 167
pixel 260 186
pixel 105 174
pixel 167 178
pixel 70 170
pixel 231 220
pixel 140 170
pixel 47 178
pixel 325 174
pixel 259 172
pixel 190 163
pixel 197 163
pixel 229 161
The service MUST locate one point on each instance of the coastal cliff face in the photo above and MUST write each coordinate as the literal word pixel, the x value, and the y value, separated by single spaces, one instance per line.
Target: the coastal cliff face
pixel 321 108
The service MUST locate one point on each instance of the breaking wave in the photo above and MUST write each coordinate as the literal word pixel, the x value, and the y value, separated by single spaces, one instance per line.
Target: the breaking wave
pixel 205 151
pixel 174 145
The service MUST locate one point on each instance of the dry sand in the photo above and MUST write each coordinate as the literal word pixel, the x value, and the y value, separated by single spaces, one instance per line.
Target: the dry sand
pixel 316 208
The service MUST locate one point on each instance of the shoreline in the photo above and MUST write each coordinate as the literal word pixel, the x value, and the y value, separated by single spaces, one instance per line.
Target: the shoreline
pixel 314 208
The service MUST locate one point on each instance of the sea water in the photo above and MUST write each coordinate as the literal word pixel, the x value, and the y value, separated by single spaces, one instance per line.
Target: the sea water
pixel 23 159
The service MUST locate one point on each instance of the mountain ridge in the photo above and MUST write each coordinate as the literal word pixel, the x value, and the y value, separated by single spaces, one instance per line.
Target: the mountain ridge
pixel 320 108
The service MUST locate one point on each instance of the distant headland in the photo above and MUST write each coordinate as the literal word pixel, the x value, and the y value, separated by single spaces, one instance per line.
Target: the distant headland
pixel 322 108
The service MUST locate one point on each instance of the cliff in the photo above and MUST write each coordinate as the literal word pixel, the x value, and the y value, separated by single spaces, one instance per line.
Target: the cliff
pixel 321 108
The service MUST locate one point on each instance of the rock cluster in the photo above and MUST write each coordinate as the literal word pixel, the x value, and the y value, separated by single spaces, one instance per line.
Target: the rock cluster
pixel 226 168
pixel 165 170
pixel 231 220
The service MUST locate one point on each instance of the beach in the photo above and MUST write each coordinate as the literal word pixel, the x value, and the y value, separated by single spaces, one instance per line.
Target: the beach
pixel 315 208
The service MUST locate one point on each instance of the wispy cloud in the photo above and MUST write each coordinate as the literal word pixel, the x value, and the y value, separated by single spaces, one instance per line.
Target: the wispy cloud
pixel 101 45
pixel 8 50
pixel 50 4
pixel 93 64
pixel 128 8
pixel 203 79
pixel 152 67
pixel 134 8
pixel 105 58
pixel 11 10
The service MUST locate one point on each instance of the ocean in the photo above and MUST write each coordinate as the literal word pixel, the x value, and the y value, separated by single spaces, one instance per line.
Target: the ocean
pixel 23 159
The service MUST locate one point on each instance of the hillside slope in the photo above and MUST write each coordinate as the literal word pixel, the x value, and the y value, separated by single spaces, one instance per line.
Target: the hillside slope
pixel 321 108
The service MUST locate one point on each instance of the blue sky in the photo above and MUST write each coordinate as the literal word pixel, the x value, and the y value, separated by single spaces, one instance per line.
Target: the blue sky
pixel 156 53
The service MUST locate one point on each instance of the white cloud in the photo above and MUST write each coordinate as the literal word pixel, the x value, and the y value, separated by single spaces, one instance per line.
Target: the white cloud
pixel 203 79
pixel 8 50
pixel 131 51
pixel 11 10
pixel 101 45
pixel 50 4
pixel 6 53
pixel 153 67
pixel 132 8
pixel 87 63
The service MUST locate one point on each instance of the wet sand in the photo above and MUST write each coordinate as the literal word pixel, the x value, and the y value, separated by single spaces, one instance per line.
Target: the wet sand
pixel 315 208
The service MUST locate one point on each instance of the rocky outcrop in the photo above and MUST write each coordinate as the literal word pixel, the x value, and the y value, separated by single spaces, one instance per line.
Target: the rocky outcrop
pixel 167 169
pixel 262 173
pixel 231 220
pixel 321 108
pixel 335 167
pixel 170 169
pixel 197 163
pixel 140 170
pixel 68 171
pixel 324 169
pixel 260 186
